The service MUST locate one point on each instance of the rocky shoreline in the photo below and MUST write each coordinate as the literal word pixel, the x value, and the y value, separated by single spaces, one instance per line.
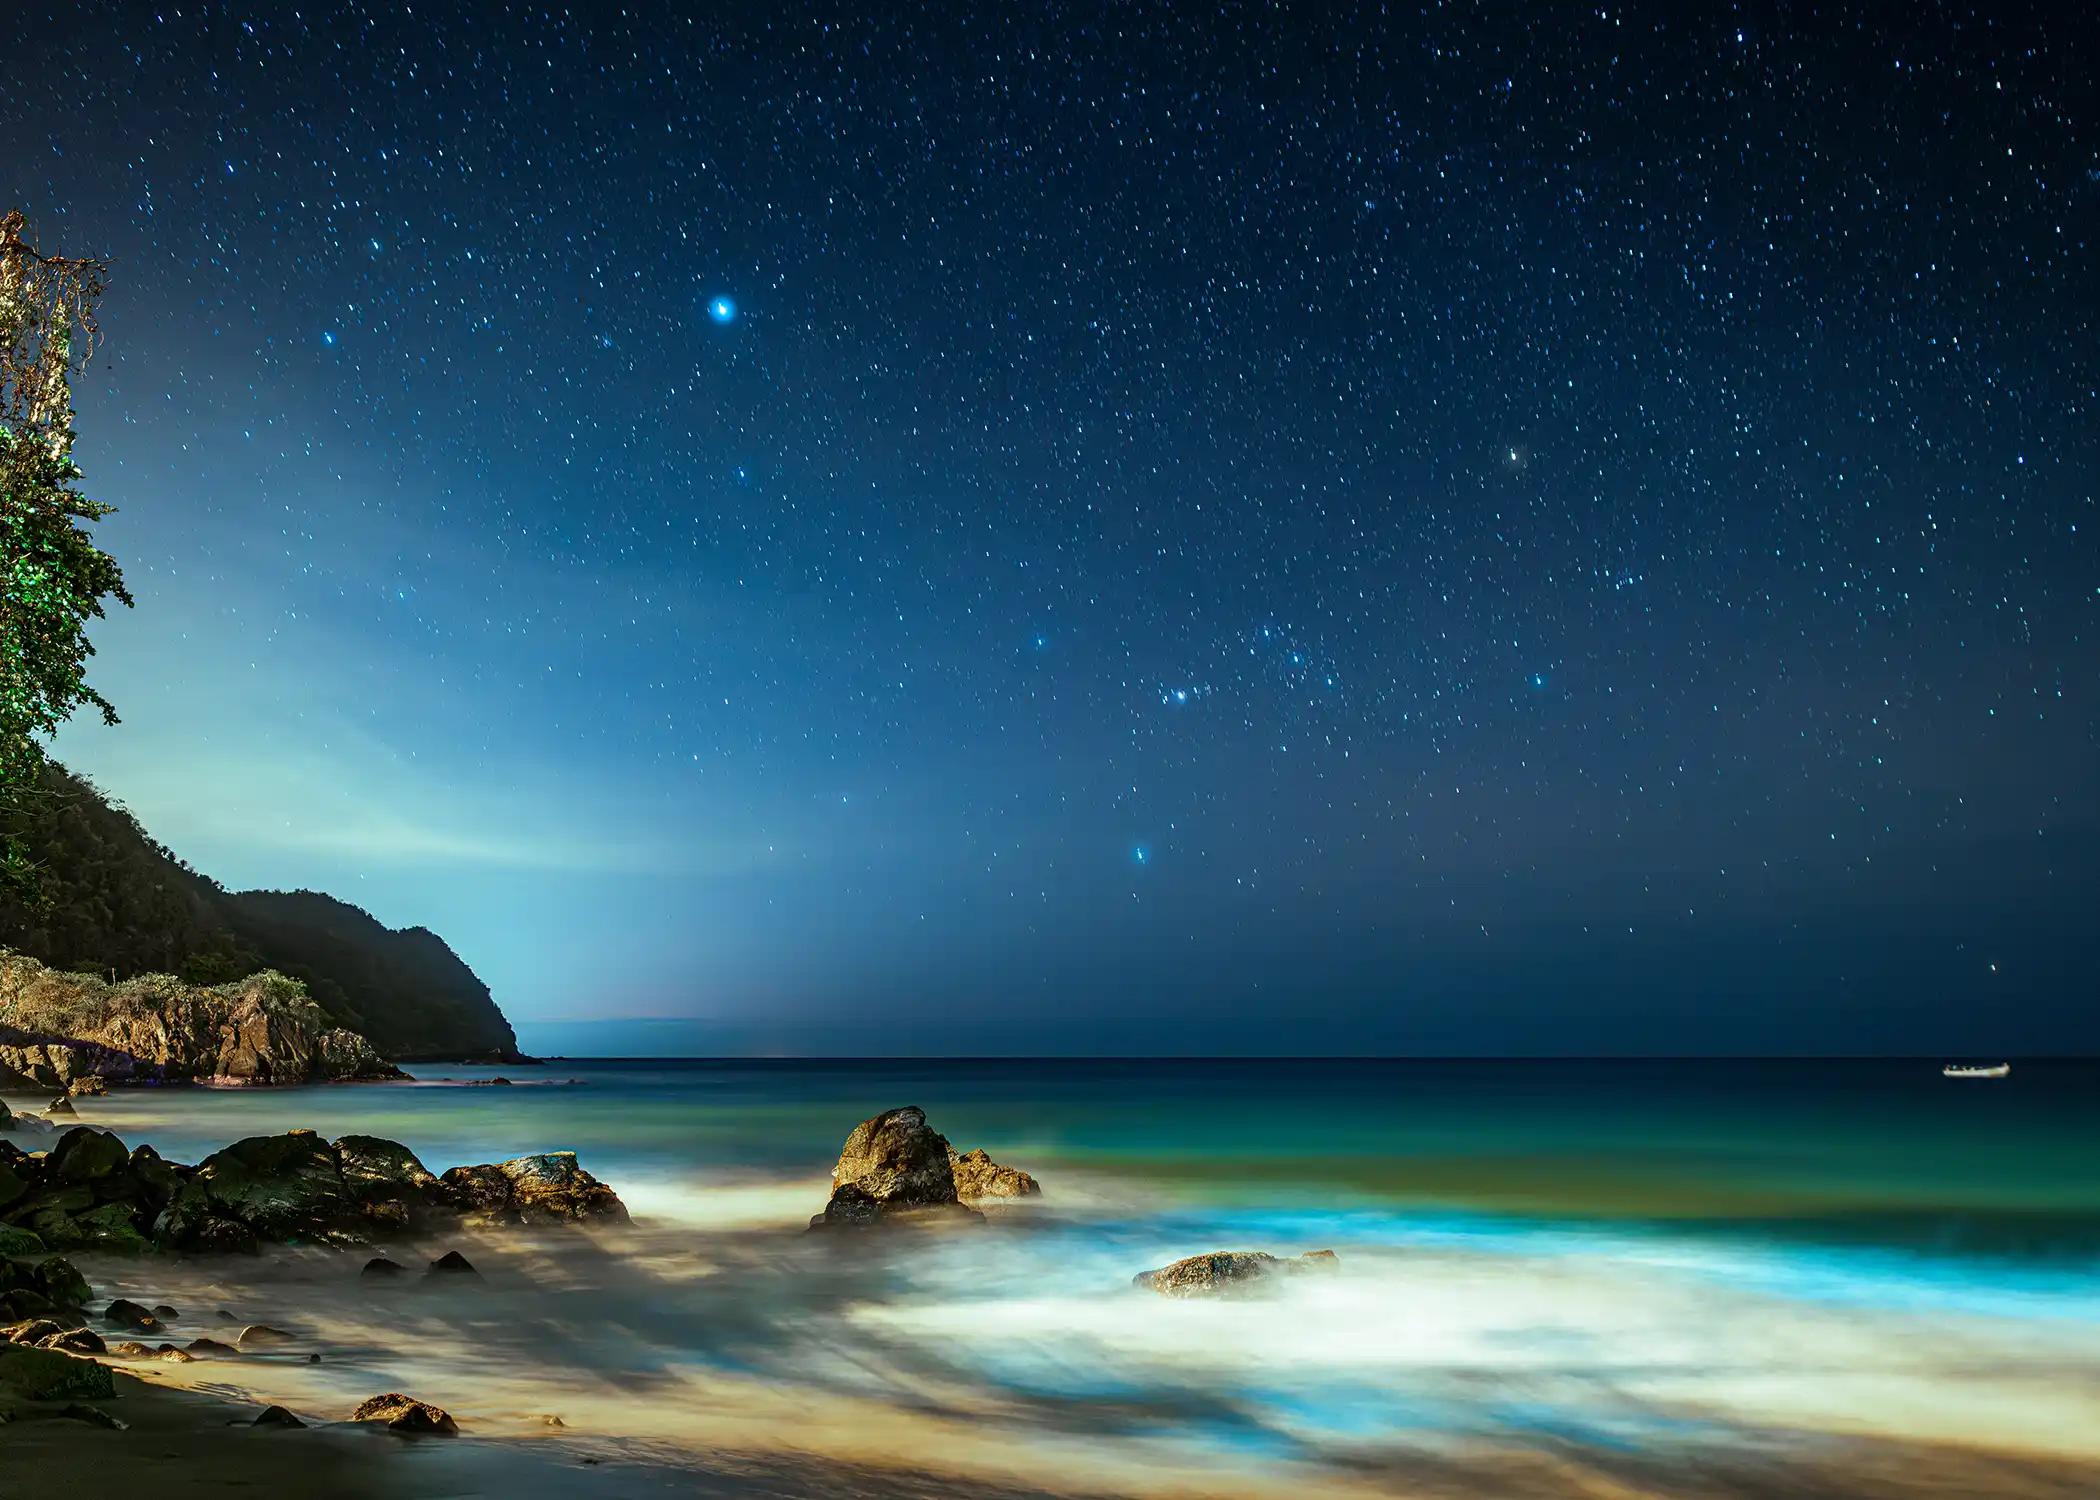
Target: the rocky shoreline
pixel 64 1352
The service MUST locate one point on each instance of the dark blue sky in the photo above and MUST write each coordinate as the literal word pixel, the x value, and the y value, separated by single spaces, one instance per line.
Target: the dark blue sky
pixel 1214 529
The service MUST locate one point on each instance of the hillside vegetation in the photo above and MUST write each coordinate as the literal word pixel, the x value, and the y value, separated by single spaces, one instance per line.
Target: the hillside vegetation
pixel 109 899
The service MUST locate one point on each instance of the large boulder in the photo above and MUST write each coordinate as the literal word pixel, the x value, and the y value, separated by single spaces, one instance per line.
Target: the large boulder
pixel 32 1374
pixel 389 1184
pixel 978 1176
pixel 405 1414
pixel 1228 1271
pixel 281 1189
pixel 532 1189
pixel 85 1155
pixel 893 1167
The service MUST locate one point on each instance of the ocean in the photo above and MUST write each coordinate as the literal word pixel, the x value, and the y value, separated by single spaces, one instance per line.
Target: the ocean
pixel 1771 1271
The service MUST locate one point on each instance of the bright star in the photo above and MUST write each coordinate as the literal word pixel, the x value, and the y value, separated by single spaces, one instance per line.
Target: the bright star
pixel 1141 854
pixel 722 310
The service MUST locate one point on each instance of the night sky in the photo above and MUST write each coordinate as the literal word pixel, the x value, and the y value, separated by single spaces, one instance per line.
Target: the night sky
pixel 1123 528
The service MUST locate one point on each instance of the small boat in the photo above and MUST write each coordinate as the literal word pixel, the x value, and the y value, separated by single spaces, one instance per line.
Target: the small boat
pixel 1976 1070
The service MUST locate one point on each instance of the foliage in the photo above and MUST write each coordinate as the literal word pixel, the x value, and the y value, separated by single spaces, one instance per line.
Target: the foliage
pixel 113 901
pixel 53 578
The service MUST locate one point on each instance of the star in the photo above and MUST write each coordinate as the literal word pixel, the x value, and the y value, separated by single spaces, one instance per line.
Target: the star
pixel 722 310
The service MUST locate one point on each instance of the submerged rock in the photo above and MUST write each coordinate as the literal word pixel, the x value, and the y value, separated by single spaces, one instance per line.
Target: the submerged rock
pixel 892 1167
pixel 978 1176
pixel 1225 1271
pixel 275 1416
pixel 405 1414
pixel 209 1349
pixel 263 1336
pixel 128 1314
pixel 452 1263
pixel 379 1265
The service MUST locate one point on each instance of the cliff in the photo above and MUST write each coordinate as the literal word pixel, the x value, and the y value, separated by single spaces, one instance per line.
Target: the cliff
pixel 111 900
pixel 57 1027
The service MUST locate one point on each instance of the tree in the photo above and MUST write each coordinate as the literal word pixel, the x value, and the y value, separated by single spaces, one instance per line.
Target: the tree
pixel 53 578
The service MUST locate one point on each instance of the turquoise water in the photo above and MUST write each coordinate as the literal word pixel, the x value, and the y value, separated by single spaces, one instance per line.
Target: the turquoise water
pixel 1629 1258
pixel 1875 1151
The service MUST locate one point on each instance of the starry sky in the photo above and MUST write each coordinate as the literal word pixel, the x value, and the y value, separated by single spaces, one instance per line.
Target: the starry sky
pixel 1121 528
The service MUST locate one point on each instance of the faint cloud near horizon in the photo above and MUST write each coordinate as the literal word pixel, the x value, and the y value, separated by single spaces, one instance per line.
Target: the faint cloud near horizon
pixel 238 811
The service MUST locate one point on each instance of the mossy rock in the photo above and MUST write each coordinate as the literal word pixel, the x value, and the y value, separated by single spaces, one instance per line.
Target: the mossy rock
pixel 58 1279
pixel 47 1375
pixel 84 1154
pixel 110 1228
pixel 17 1243
pixel 281 1188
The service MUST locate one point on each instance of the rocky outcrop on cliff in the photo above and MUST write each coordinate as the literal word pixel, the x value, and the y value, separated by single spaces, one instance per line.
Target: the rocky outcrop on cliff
pixel 892 1167
pixel 58 1028
pixel 88 1192
pixel 1224 1271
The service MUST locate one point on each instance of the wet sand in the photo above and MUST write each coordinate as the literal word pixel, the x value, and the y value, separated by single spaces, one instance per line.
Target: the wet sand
pixel 661 1365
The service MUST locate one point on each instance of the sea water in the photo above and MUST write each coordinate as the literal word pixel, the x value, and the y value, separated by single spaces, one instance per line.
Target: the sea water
pixel 1598 1263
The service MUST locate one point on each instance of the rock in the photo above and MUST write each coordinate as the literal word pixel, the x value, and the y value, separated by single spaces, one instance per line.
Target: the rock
pixel 297 1189
pixel 94 1416
pixel 75 1341
pixel 284 1189
pixel 275 1416
pixel 86 1085
pixel 14 1124
pixel 262 1336
pixel 894 1166
pixel 379 1265
pixel 548 1188
pixel 35 1374
pixel 19 1244
pixel 60 1107
pixel 30 1331
pixel 133 1349
pixel 210 1349
pixel 56 1278
pixel 385 1179
pixel 405 1414
pixel 551 1420
pixel 128 1314
pixel 262 1029
pixel 22 1303
pixel 1224 1271
pixel 172 1356
pixel 453 1263
pixel 85 1155
pixel 978 1176
pixel 165 1313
